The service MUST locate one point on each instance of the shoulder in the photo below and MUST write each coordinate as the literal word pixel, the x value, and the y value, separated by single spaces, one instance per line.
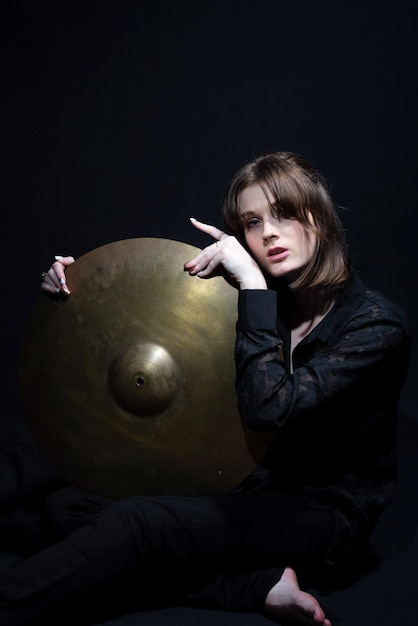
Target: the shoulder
pixel 357 297
pixel 360 308
pixel 381 306
pixel 380 311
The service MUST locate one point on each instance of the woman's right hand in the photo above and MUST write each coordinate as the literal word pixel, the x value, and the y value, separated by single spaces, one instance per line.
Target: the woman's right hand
pixel 54 280
pixel 228 253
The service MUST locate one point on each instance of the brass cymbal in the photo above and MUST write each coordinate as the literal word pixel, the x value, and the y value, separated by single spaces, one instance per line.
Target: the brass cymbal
pixel 128 384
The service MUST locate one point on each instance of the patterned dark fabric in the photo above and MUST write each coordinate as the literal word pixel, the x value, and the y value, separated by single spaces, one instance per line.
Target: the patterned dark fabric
pixel 335 415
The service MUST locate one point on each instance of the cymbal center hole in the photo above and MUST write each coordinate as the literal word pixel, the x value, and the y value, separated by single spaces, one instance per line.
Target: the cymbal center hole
pixel 143 378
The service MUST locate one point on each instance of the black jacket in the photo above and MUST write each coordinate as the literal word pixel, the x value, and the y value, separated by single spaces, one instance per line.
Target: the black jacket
pixel 335 415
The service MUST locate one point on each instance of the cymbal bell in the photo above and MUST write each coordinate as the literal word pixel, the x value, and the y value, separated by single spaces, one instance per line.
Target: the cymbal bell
pixel 128 384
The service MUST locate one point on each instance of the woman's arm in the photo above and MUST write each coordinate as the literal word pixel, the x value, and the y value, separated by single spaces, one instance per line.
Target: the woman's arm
pixel 372 346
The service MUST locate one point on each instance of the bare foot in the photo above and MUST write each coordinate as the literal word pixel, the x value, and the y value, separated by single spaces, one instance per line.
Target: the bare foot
pixel 286 600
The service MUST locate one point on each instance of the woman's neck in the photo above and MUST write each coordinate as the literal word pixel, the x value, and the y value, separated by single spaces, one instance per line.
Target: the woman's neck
pixel 310 303
pixel 308 310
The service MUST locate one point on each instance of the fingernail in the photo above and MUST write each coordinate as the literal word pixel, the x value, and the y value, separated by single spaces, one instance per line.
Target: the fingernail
pixel 58 257
pixel 199 274
pixel 193 219
pixel 64 286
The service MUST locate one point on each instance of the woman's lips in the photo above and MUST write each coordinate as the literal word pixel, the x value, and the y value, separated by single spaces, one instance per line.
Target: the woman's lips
pixel 275 255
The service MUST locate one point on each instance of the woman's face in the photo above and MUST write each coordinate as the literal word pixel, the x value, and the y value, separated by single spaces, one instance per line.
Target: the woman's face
pixel 282 246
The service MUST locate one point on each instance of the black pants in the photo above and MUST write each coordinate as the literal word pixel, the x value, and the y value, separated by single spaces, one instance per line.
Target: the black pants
pixel 225 552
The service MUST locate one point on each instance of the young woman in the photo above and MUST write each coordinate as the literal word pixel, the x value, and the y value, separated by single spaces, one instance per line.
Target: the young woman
pixel 321 360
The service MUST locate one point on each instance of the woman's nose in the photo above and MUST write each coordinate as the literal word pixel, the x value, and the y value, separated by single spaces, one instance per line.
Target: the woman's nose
pixel 270 230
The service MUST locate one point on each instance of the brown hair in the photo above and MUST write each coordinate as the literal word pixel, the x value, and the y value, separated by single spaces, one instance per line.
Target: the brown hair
pixel 297 190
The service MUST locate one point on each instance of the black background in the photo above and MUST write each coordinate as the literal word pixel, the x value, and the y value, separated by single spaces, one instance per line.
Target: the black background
pixel 122 119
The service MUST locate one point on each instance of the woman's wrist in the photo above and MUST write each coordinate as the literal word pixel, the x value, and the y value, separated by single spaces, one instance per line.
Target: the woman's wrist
pixel 253 283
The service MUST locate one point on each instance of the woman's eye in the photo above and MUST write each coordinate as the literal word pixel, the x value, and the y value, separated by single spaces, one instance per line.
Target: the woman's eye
pixel 251 223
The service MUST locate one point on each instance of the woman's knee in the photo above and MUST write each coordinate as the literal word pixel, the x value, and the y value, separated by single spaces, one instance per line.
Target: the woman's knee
pixel 68 509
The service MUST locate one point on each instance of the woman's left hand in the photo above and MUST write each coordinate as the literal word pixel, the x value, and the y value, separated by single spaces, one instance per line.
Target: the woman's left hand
pixel 227 254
